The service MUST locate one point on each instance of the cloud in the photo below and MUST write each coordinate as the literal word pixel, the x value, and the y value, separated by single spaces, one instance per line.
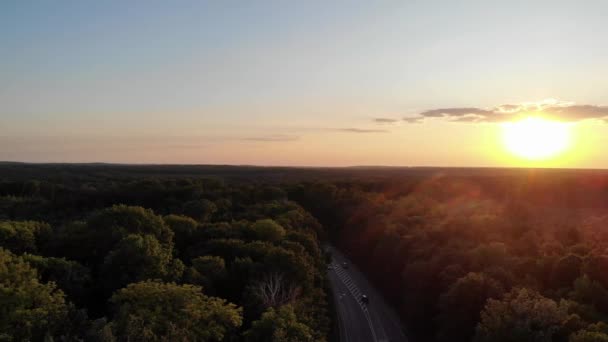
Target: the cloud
pixel 580 112
pixel 361 130
pixel 457 112
pixel 414 119
pixel 273 137
pixel 550 108
pixel 385 120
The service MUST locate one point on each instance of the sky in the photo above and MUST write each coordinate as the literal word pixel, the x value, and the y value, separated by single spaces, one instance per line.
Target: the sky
pixel 307 83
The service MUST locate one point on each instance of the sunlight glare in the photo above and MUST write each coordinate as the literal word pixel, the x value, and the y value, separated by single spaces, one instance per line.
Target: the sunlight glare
pixel 535 138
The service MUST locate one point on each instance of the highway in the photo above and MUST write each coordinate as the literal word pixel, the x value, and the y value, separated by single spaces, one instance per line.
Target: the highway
pixel 358 321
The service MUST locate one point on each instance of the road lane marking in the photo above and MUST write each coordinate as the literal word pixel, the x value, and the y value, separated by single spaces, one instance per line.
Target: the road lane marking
pixel 354 290
pixel 394 322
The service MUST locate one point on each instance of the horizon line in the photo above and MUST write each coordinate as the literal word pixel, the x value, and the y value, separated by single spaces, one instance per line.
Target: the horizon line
pixel 362 166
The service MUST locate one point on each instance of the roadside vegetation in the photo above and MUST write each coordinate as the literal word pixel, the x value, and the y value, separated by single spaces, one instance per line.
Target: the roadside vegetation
pixel 479 255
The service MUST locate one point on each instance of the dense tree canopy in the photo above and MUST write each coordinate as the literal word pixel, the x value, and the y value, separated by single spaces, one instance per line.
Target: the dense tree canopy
pixel 462 254
pixel 449 246
pixel 137 258
pixel 154 311
pixel 268 230
pixel 522 316
pixel 279 325
pixel 20 237
pixel 30 310
pixel 208 271
pixel 460 305
pixel 112 256
pixel 70 276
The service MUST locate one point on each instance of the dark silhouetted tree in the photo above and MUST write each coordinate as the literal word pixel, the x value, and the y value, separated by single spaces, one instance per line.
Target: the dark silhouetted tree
pixel 566 270
pixel 200 210
pixel 461 305
pixel 208 271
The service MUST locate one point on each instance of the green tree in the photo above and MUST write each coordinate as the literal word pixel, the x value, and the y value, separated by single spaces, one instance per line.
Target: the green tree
pixel 593 333
pixel 590 292
pixel 138 258
pixel 294 267
pixel 210 266
pixel 308 241
pixel 566 270
pixel 23 236
pixel 74 241
pixel 109 226
pixel 29 310
pixel 240 273
pixel 207 271
pixel 588 336
pixel 279 325
pixel 268 230
pixel 595 266
pixel 228 249
pixel 461 305
pixel 70 276
pixel 184 229
pixel 489 255
pixel 522 315
pixel 200 210
pixel 155 311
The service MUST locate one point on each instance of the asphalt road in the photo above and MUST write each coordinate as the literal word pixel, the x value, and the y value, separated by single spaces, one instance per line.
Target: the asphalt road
pixel 358 321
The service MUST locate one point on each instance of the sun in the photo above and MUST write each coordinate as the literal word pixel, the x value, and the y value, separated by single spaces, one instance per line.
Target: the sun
pixel 535 138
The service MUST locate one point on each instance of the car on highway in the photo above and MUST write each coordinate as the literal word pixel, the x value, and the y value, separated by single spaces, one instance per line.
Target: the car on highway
pixel 345 265
pixel 365 299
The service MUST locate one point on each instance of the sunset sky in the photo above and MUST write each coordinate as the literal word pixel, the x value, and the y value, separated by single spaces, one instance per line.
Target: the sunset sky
pixel 327 83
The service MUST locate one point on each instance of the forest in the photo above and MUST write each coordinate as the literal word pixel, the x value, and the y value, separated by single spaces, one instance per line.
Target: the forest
pixel 478 255
pixel 102 254
pixel 97 252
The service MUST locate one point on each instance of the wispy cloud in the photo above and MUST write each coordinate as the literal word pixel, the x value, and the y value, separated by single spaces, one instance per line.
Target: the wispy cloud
pixel 414 119
pixel 550 108
pixel 361 130
pixel 385 120
pixel 273 137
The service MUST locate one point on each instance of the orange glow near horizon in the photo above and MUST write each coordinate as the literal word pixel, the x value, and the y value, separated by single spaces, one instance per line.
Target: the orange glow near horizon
pixel 536 139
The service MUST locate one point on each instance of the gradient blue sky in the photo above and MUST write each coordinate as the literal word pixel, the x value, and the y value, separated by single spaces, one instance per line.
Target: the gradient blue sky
pixel 290 83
